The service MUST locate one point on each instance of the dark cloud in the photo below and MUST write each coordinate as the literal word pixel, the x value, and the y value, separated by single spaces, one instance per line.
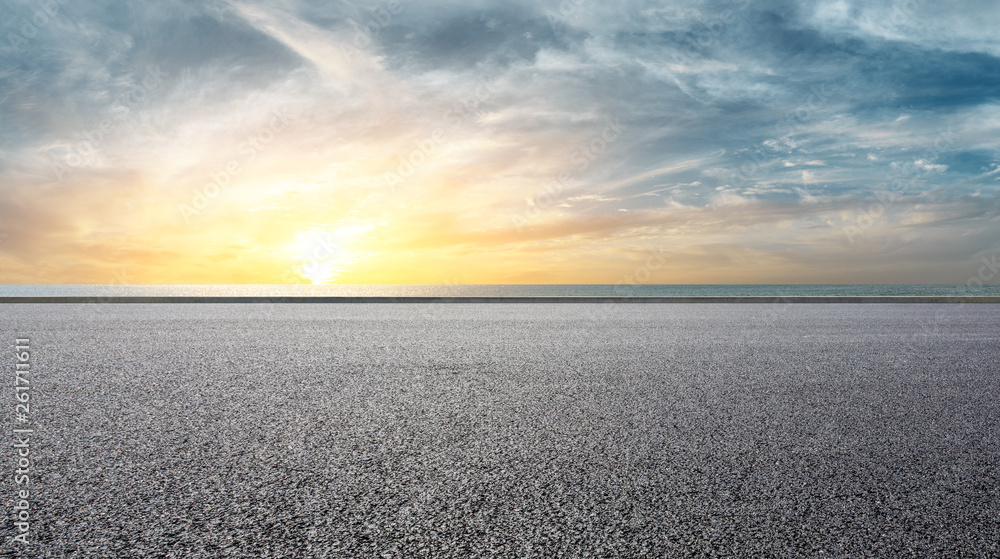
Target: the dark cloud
pixel 969 162
pixel 462 37
pixel 945 81
pixel 68 78
pixel 247 56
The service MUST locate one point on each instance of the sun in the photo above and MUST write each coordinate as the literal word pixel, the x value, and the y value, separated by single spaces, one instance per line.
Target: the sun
pixel 324 255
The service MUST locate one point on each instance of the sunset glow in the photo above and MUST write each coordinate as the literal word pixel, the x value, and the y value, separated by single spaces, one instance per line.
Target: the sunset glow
pixel 400 142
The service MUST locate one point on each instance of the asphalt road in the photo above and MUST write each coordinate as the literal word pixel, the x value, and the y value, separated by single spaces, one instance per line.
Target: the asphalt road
pixel 509 430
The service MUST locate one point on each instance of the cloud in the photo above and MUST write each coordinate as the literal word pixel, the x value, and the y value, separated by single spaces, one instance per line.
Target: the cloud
pixel 755 129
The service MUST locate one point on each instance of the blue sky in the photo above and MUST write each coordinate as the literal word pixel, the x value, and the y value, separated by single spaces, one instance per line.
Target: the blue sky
pixel 498 142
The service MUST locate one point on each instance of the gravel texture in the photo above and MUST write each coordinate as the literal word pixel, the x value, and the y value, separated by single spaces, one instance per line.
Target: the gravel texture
pixel 509 430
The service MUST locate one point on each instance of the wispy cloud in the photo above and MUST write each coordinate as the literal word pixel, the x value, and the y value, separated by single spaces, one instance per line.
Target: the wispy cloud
pixel 424 127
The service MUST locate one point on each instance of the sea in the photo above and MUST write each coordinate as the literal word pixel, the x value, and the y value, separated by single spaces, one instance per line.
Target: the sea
pixel 520 290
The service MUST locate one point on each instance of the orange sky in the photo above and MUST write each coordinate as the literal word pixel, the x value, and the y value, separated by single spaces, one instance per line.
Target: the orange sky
pixel 265 144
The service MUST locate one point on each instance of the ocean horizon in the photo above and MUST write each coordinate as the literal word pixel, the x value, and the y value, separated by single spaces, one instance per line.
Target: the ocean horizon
pixel 508 290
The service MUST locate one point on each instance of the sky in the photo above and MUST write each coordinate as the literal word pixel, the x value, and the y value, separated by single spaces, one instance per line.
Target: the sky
pixel 447 142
